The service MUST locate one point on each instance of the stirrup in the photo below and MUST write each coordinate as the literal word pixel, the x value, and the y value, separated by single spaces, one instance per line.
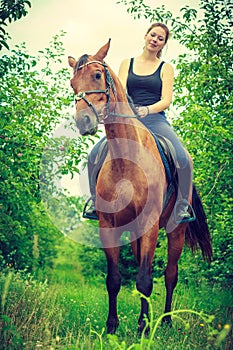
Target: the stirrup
pixel 92 215
pixel 191 214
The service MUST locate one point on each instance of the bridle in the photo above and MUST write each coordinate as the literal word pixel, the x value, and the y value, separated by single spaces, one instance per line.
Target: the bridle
pixel 109 86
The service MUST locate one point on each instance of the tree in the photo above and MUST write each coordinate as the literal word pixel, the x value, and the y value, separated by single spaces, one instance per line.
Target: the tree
pixel 203 96
pixel 10 10
pixel 33 101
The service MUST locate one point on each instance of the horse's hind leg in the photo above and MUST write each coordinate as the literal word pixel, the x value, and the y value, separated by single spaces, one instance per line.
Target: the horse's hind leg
pixel 175 245
pixel 113 283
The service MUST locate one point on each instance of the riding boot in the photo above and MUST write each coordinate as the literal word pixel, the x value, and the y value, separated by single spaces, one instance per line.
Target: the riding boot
pixel 95 161
pixel 89 211
pixel 183 211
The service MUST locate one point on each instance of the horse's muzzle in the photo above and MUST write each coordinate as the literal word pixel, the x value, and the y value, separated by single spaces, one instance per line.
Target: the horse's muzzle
pixel 86 125
pixel 90 132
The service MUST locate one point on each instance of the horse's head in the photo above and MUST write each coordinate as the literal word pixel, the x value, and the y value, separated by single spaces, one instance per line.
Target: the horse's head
pixel 91 83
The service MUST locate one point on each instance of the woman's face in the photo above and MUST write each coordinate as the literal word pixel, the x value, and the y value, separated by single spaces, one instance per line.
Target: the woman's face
pixel 155 40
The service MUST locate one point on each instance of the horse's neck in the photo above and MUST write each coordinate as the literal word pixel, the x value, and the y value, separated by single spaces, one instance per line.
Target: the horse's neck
pixel 124 134
pixel 123 130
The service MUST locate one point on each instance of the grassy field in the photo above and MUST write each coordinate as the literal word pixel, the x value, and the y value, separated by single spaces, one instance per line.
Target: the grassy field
pixel 67 312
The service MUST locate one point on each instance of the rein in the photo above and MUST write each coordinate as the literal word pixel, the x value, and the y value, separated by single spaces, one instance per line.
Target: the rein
pixel 109 85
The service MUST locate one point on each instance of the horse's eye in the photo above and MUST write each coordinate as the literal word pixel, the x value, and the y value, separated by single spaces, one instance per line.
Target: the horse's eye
pixel 98 75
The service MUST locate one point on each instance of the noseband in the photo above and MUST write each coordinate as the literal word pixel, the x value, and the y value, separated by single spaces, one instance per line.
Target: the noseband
pixel 109 85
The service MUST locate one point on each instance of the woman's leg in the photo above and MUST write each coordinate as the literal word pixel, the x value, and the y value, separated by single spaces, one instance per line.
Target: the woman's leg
pixel 158 124
pixel 93 167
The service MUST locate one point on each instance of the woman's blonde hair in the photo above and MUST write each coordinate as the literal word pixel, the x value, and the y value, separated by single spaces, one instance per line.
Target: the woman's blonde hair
pixel 165 28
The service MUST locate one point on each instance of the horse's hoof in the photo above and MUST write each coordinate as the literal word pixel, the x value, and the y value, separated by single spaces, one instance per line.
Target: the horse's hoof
pixel 142 332
pixel 111 328
pixel 167 321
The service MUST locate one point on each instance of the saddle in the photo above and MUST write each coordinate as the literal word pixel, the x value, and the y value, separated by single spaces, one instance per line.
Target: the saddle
pixel 168 156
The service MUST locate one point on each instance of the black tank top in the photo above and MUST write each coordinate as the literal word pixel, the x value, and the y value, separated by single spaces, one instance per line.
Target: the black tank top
pixel 144 89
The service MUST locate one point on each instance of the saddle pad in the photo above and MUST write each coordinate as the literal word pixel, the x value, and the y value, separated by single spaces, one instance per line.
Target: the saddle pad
pixel 168 155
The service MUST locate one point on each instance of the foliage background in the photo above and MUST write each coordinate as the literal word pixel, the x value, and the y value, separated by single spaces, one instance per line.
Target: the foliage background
pixel 33 102
pixel 35 98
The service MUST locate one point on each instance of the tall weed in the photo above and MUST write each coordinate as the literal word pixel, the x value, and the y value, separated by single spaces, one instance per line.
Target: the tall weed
pixel 40 315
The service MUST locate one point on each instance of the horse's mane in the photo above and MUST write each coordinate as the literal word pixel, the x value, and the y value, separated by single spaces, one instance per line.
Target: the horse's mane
pixel 82 60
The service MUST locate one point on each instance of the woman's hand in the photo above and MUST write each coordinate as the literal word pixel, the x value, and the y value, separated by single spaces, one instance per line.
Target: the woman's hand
pixel 142 111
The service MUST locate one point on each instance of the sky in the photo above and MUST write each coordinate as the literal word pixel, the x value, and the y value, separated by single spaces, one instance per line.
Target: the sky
pixel 89 24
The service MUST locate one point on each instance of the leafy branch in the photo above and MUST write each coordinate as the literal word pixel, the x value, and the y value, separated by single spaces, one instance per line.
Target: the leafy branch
pixel 10 11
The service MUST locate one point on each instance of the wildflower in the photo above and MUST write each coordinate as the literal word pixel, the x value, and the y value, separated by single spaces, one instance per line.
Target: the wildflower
pixel 227 327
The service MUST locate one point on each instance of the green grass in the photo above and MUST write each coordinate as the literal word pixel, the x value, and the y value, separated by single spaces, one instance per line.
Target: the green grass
pixel 68 313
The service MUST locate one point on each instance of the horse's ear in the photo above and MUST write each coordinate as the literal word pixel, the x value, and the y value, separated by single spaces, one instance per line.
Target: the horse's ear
pixel 102 53
pixel 71 61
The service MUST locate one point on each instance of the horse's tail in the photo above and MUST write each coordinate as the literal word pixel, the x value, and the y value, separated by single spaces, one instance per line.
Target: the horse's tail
pixel 197 233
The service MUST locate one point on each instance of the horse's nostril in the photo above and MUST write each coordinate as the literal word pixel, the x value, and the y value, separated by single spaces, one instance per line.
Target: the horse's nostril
pixel 87 119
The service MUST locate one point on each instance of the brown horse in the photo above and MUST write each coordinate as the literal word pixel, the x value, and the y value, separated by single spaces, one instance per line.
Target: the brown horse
pixel 131 185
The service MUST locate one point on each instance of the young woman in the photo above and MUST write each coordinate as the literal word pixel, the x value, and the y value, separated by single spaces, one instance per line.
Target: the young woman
pixel 149 82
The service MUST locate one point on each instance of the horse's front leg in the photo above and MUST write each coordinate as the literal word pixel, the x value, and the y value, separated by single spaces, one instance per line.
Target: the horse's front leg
pixel 144 282
pixel 175 245
pixel 111 243
pixel 113 283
